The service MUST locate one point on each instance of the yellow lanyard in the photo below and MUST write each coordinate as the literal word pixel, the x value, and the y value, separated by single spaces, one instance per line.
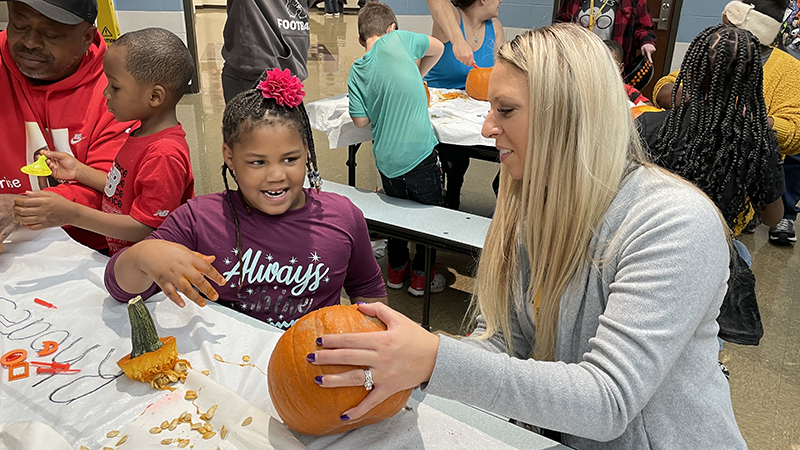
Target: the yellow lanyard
pixel 592 17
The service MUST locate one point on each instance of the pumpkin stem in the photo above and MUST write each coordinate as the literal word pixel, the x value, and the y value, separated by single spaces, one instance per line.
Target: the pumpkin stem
pixel 143 330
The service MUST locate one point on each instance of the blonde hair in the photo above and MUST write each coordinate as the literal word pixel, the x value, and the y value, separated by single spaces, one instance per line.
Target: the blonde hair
pixel 581 139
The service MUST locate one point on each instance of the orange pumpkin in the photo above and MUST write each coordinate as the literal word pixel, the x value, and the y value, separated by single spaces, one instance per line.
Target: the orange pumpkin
pixel 478 83
pixel 641 109
pixel 302 404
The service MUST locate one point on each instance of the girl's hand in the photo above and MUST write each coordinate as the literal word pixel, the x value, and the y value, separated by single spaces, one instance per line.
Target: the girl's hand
pixel 174 268
pixel 44 209
pixel 400 358
pixel 65 167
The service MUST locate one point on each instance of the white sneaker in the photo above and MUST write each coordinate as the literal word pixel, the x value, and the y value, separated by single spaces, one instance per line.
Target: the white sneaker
pixel 417 288
pixel 328 15
pixel 379 248
pixel 335 14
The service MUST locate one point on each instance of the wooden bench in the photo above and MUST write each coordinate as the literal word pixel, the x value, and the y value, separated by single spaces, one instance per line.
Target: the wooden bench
pixel 431 226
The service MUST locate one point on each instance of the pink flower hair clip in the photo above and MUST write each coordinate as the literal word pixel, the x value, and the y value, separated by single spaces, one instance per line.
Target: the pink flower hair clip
pixel 281 85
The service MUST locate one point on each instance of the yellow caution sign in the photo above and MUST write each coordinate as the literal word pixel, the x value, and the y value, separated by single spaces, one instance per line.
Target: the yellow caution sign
pixel 107 20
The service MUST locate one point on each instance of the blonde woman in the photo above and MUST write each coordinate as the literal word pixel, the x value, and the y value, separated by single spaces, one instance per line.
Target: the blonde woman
pixel 599 284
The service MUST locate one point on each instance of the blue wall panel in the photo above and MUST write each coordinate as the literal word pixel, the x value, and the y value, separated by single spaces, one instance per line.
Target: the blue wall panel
pixel 697 15
pixel 150 5
pixel 513 13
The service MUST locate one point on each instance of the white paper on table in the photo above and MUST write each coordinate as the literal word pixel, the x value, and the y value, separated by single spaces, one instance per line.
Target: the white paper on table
pixel 93 332
pixel 455 121
pixel 263 433
pixel 332 115
pixel 30 435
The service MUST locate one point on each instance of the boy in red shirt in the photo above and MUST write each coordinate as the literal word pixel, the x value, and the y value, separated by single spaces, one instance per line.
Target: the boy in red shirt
pixel 147 71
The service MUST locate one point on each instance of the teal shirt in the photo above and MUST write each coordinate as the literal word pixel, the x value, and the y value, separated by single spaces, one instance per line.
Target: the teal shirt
pixel 385 86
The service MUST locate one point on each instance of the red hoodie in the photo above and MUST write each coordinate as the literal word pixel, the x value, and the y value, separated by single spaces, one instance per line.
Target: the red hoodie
pixel 68 116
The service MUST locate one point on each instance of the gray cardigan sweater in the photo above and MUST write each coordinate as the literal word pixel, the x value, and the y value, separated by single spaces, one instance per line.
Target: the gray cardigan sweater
pixel 636 353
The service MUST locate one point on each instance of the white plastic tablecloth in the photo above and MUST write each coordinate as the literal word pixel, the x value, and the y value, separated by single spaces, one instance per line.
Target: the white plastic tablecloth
pixel 94 332
pixel 456 121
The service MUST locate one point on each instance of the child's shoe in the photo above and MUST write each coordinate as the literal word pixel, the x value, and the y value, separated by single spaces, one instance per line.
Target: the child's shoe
pixel 417 288
pixel 398 277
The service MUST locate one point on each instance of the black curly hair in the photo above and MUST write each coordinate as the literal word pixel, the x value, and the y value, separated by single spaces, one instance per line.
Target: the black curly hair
pixel 249 110
pixel 726 143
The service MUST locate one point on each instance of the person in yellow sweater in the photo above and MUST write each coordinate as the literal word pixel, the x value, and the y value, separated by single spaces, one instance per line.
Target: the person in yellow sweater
pixel 781 86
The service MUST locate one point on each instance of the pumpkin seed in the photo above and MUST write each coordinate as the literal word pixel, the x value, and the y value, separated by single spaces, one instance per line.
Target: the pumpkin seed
pixel 108 448
pixel 197 426
pixel 183 443
pixel 112 434
pixel 122 441
pixel 211 411
pixel 186 416
pixel 190 395
pixel 246 358
pixel 205 372
pixel 182 378
pixel 222 433
pixel 209 435
pixel 155 430
pixel 83 447
pixel 164 425
pixel 218 358
pixel 208 427
pixel 247 421
pixel 203 417
pixel 166 441
pixel 173 425
pixel 172 377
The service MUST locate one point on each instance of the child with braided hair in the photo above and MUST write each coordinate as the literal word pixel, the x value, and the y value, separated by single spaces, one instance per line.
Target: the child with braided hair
pixel 276 250
pixel 718 137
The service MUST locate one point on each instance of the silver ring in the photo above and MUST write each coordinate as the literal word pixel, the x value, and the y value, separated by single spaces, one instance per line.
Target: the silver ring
pixel 368 383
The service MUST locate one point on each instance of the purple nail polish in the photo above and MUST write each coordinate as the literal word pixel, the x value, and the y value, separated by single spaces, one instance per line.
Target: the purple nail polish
pixel 344 417
pixel 319 341
pixel 311 357
pixel 360 303
pixel 318 379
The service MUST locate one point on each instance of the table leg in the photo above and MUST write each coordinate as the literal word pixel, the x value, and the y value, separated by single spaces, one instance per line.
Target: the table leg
pixel 426 298
pixel 352 149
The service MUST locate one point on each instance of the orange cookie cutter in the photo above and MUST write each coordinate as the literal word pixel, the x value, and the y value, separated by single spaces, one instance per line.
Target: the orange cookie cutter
pixel 14 357
pixel 14 360
pixel 48 347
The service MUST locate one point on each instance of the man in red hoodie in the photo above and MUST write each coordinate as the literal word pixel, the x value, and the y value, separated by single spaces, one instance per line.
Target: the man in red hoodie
pixel 51 92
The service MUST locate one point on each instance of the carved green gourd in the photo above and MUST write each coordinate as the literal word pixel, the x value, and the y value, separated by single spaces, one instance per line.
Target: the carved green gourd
pixel 143 330
pixel 153 360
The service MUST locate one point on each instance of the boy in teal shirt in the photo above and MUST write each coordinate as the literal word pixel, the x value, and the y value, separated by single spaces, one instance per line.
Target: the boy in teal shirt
pixel 386 89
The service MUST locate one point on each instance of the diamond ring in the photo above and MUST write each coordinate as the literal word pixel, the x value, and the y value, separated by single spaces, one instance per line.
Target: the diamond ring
pixel 368 383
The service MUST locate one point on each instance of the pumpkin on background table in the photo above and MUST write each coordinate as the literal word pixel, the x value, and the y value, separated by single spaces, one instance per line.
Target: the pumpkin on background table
pixel 302 404
pixel 478 83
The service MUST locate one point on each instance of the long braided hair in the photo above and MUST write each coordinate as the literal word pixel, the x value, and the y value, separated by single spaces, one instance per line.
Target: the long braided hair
pixel 244 113
pixel 727 141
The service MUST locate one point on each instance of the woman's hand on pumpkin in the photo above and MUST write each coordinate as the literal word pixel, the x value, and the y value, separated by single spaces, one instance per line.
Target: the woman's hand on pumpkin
pixel 175 268
pixel 400 358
